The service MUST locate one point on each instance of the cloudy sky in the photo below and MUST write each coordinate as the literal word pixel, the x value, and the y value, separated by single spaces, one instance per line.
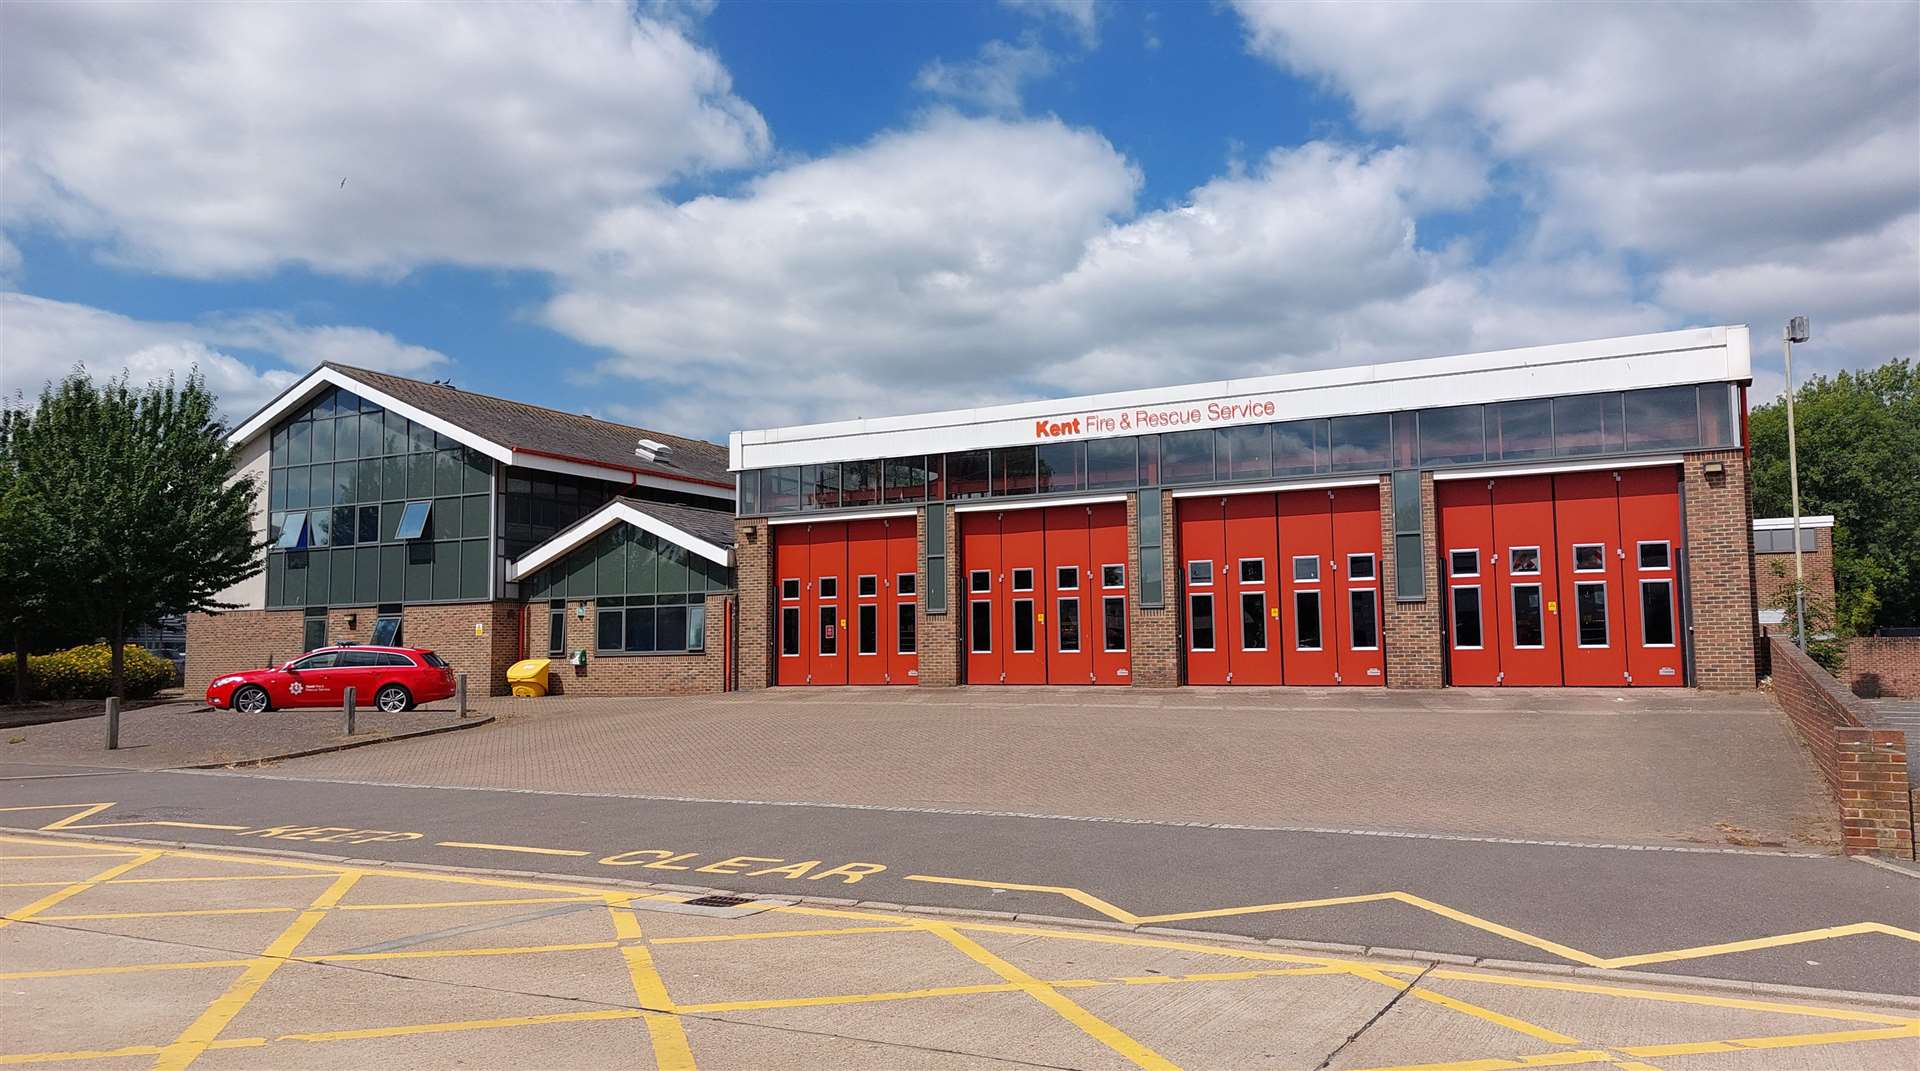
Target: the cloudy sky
pixel 707 216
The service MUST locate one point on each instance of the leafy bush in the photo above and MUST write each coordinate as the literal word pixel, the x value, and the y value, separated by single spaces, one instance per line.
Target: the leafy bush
pixel 86 672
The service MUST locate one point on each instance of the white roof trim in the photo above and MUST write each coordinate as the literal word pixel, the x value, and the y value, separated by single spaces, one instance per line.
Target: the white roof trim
pixel 323 376
pixel 1268 488
pixel 842 515
pixel 1003 504
pixel 1557 466
pixel 606 517
pixel 1697 355
pixel 1775 524
pixel 525 460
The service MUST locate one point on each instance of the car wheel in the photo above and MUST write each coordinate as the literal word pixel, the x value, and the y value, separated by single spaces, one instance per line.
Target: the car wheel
pixel 251 700
pixel 393 699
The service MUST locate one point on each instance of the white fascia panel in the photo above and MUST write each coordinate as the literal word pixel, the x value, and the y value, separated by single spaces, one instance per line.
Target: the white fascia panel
pixel 1549 467
pixel 322 377
pixel 1008 505
pixel 1780 524
pixel 523 459
pixel 826 516
pixel 1269 488
pixel 1698 355
pixel 609 515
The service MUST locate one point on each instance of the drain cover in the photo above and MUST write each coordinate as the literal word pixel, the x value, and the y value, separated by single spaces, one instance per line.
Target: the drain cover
pixel 719 901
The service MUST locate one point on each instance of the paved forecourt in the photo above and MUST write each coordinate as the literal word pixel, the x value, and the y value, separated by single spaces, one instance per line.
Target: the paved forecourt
pixel 1726 913
pixel 123 955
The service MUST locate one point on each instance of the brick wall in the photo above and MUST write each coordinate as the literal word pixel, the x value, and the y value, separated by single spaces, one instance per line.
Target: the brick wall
pixel 480 639
pixel 1720 581
pixel 1866 767
pixel 752 577
pixel 1883 666
pixel 940 653
pixel 703 673
pixel 1773 573
pixel 1154 636
pixel 238 639
pixel 1414 647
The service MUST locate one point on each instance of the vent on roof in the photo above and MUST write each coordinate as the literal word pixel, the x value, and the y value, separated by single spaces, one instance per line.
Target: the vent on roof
pixel 652 450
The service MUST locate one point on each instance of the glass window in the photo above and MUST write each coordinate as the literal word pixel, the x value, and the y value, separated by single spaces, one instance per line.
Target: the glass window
pixel 1022 580
pixel 386 631
pixel 860 483
pixel 1466 618
pixel 1069 622
pixel 969 474
pixel 413 522
pixel 1716 415
pixel 1110 463
pixel 645 630
pixel 829 632
pixel 868 636
pixel 1061 467
pixel 1201 614
pixel 1406 453
pixel 1149 447
pixel 326 660
pixel 1363 619
pixel 1066 577
pixel 1300 448
pixel 822 486
pixel 557 630
pixel 1456 435
pixel 780 489
pixel 1013 470
pixel 829 587
pixel 609 634
pixel 1253 621
pixel 906 583
pixel 748 488
pixel 980 627
pixel 1249 452
pixel 1523 560
pixel 279 447
pixel 1306 620
pixel 868 585
pixel 320 485
pixel 696 631
pixel 1362 443
pixel 1590 608
pixel 323 440
pixel 1253 570
pixel 1463 563
pixel 1655 556
pixel 1664 418
pixel 1360 567
pixel 1306 567
pixel 790 631
pixel 907 479
pixel 345 524
pixel 1522 430
pixel 1587 424
pixel 293 535
pixel 980 580
pixel 1188 456
pixel 299 443
pixel 320 528
pixel 1589 558
pixel 1199 574
pixel 1023 626
pixel 905 637
pixel 1656 613
pixel 1529 621
pixel 1113 576
pixel 790 588
pixel 1114 623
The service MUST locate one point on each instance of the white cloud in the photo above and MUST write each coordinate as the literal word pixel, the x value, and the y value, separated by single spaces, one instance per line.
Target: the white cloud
pixel 1759 160
pixel 992 81
pixel 44 339
pixel 205 139
pixel 1082 17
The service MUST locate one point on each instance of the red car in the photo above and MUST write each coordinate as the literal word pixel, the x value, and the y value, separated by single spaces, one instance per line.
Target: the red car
pixel 390 678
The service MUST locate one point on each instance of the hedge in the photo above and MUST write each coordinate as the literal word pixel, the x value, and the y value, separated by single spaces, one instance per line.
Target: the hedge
pixel 86 672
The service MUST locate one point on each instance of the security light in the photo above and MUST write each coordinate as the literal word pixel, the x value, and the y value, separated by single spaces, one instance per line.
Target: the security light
pixel 1798 329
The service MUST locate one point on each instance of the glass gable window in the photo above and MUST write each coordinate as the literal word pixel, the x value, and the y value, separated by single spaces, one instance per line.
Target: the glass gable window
pixel 413 521
pixel 649 594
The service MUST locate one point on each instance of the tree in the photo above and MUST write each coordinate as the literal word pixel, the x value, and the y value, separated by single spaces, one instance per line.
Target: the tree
pixel 1859 445
pixel 28 569
pixel 139 495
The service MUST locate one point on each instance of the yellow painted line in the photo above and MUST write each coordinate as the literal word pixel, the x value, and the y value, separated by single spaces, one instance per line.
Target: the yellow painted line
pixel 1786 1041
pixel 1092 1025
pixel 220 877
pixel 153 822
pixel 64 855
pixel 507 902
pixel 598 1016
pixel 204 1030
pixel 171 914
pixel 1413 989
pixel 1551 1059
pixel 78 887
pixel 132 968
pixel 508 848
pixel 670 1049
pixel 87 810
pixel 77 1055
pixel 766 935
pixel 1664 997
pixel 715 1007
pixel 447 953
pixel 1824 934
pixel 1077 895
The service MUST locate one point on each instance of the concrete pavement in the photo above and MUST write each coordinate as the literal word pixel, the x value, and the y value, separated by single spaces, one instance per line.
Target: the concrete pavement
pixel 125 955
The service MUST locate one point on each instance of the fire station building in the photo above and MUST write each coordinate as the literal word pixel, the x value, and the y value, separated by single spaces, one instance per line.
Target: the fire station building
pixel 1573 514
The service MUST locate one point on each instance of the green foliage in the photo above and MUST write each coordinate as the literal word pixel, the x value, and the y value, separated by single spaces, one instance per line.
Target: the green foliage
pixel 140 513
pixel 1859 446
pixel 87 673
pixel 1824 643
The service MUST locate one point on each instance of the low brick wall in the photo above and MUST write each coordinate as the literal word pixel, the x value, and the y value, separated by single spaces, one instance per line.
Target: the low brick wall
pixel 704 673
pixel 1880 666
pixel 1866 767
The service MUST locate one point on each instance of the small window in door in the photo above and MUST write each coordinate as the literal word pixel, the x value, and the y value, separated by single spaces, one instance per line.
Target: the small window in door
pixel 907 635
pixel 1113 576
pixel 979 580
pixel 1589 558
pixel 1529 620
pixel 1306 568
pixel 1200 613
pixel 1066 578
pixel 1023 626
pixel 980 628
pixel 790 632
pixel 1590 609
pixel 1359 567
pixel 1656 613
pixel 1363 616
pixel 1466 619
pixel 1023 580
pixel 1306 620
pixel 789 588
pixel 829 632
pixel 1253 570
pixel 1114 622
pixel 1463 563
pixel 1199 574
pixel 1068 623
pixel 868 586
pixel 829 587
pixel 1253 621
pixel 869 634
pixel 1523 561
pixel 906 583
pixel 1656 555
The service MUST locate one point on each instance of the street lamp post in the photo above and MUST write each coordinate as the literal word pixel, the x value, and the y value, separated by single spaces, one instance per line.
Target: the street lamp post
pixel 1797 331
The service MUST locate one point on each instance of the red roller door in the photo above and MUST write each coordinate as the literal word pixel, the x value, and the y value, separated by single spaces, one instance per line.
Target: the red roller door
pixel 1465 553
pixel 1358 627
pixel 1592 633
pixel 1306 556
pixel 1524 572
pixel 1047 595
pixel 1650 536
pixel 837 602
pixel 1109 628
pixel 1203 552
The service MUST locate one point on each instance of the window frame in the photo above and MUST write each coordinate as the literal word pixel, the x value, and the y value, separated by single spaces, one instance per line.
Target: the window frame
pixel 1259 596
pixel 1453 562
pixel 1673 625
pixel 1106 603
pixel 1513 554
pixel 1453 617
pixel 1666 555
pixel 1606 618
pixel 1513 591
pixel 1575 557
pixel 1122 585
pixel 1193 622
pixel 1313 579
pixel 1373 571
pixel 1319 619
pixel 1060 603
pixel 1193 580
pixel 1372 595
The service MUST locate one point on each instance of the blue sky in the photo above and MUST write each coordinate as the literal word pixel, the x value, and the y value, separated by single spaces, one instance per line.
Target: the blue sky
pixel 705 217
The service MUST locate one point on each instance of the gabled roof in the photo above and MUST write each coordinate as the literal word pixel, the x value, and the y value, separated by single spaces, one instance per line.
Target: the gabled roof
pixel 706 532
pixel 512 432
